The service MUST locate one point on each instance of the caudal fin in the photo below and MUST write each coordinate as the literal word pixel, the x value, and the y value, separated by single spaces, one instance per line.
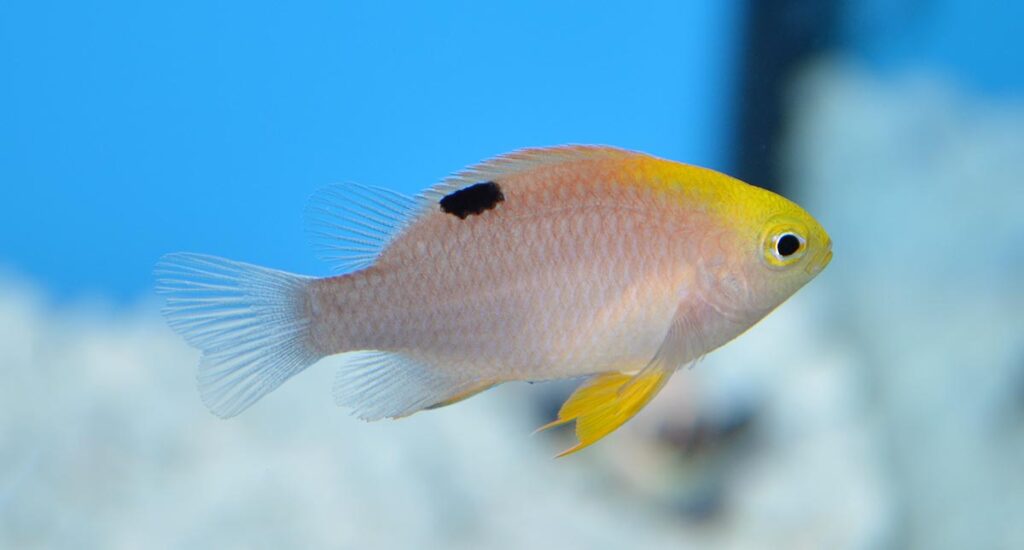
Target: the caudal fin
pixel 250 323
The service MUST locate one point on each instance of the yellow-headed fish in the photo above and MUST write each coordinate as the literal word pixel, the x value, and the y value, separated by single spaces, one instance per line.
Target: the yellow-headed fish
pixel 540 264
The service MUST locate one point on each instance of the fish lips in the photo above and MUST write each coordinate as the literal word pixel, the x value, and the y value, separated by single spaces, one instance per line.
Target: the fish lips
pixel 819 262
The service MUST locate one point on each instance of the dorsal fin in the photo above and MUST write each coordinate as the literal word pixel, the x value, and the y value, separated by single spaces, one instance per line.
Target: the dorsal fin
pixel 501 166
pixel 351 224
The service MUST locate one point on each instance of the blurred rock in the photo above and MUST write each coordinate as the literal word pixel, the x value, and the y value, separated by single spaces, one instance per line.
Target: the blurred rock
pixel 920 187
pixel 104 443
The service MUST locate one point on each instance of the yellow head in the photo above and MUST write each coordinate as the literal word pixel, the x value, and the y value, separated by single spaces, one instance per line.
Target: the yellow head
pixel 756 249
pixel 775 246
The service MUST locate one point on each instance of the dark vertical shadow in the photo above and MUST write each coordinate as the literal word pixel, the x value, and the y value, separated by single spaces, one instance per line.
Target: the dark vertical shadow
pixel 779 37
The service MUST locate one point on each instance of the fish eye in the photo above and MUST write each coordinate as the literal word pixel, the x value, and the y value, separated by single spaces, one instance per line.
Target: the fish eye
pixel 787 245
pixel 784 246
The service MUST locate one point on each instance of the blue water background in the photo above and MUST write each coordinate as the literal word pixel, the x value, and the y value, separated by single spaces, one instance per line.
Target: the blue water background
pixel 130 129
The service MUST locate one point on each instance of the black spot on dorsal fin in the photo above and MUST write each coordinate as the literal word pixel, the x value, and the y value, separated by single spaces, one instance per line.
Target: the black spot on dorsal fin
pixel 472 200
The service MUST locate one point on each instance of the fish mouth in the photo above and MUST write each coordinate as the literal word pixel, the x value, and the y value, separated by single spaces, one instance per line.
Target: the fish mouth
pixel 821 260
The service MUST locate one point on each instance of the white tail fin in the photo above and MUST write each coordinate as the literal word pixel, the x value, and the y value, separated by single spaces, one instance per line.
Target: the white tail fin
pixel 251 324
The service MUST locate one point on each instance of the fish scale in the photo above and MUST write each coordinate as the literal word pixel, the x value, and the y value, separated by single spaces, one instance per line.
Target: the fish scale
pixel 557 302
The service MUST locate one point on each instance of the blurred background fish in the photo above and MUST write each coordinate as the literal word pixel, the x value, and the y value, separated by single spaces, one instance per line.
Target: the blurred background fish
pixel 881 407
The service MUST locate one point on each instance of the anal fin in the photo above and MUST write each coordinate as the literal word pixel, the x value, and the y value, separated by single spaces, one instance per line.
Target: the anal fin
pixel 463 395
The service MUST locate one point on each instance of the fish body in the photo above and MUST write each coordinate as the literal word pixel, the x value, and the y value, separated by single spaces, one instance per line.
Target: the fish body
pixel 541 264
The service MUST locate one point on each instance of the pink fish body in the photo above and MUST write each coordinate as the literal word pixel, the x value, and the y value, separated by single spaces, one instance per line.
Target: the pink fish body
pixel 541 264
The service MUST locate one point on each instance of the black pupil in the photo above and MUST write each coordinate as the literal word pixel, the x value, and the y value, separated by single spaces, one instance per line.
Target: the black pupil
pixel 788 244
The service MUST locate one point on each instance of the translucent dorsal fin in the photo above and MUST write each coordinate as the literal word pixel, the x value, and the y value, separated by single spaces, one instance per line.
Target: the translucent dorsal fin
pixel 521 160
pixel 351 224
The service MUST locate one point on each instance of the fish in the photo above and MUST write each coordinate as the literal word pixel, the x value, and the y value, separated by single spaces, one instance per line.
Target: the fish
pixel 575 261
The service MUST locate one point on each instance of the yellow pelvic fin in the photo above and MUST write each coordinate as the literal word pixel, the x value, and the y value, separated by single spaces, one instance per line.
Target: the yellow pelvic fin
pixel 607 401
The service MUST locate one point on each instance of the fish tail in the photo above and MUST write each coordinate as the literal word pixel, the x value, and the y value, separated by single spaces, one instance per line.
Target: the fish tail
pixel 250 323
